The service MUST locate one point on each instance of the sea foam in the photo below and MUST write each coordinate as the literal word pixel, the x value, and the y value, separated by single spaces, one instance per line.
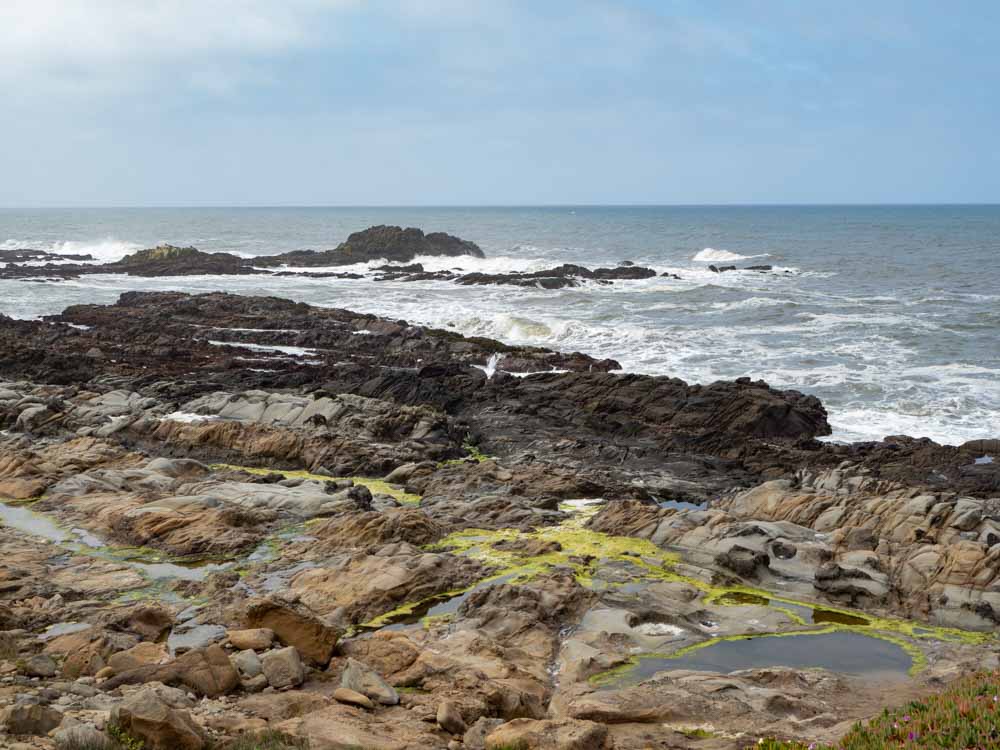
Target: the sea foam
pixel 711 255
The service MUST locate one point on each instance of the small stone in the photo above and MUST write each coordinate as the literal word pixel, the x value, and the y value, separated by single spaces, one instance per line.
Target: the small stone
pixel 449 718
pixel 247 663
pixel 80 735
pixel 352 698
pixel 256 684
pixel 254 639
pixel 105 673
pixel 360 678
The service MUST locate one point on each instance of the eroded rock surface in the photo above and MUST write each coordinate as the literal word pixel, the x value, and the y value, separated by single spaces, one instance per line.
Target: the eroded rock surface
pixel 230 514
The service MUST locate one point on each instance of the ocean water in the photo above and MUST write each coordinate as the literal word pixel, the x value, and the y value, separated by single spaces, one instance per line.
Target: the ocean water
pixel 891 315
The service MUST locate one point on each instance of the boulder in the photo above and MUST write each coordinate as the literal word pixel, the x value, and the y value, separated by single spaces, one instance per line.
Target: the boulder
pixel 256 639
pixel 548 734
pixel 352 698
pixel 139 655
pixel 247 663
pixel 295 625
pixel 41 665
pixel 146 717
pixel 29 718
pixel 361 679
pixel 283 668
pixel 449 718
pixel 205 671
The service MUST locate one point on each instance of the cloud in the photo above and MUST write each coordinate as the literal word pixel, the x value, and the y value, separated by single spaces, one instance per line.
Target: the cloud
pixel 94 40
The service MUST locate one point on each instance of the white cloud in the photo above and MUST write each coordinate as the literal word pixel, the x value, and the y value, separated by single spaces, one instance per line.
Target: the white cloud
pixel 87 39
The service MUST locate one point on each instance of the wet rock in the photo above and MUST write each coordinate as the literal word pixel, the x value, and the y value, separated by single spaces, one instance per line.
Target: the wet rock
pixel 743 561
pixel 169 260
pixel 380 242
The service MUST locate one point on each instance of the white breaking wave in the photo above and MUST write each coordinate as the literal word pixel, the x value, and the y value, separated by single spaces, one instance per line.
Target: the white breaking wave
pixel 106 250
pixel 433 263
pixel 711 255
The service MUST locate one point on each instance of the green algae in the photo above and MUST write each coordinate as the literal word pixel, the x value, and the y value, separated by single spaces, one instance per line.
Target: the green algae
pixel 408 609
pixel 579 548
pixel 375 486
pixel 736 598
pixel 474 452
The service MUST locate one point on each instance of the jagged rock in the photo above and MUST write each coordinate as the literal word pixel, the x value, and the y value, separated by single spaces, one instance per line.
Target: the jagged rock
pixel 388 242
pixel 374 529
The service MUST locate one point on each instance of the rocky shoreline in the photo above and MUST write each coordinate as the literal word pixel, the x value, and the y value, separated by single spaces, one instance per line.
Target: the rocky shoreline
pixel 396 246
pixel 226 514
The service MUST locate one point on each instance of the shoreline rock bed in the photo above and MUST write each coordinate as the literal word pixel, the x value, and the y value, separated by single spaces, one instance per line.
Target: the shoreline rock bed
pixel 386 541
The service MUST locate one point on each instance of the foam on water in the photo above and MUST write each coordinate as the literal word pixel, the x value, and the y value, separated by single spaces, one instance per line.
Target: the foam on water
pixel 871 321
pixel 711 255
pixel 105 250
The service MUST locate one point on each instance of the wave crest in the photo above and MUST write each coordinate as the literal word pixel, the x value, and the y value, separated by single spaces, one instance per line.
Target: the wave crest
pixel 711 255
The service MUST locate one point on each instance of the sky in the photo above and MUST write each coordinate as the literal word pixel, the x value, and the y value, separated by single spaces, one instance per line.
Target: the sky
pixel 471 102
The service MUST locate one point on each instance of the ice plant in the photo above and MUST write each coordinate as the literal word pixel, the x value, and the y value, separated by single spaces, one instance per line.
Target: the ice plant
pixel 965 716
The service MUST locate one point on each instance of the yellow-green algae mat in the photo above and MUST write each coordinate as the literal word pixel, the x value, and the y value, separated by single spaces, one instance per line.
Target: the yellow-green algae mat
pixel 579 544
pixel 376 486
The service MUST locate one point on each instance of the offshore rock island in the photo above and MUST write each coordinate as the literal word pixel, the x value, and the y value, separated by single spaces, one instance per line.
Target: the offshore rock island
pixel 227 514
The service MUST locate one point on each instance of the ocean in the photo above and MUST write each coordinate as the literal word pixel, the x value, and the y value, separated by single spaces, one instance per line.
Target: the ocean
pixel 889 314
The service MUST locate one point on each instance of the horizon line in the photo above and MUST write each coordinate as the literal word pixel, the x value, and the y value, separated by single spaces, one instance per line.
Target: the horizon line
pixel 84 206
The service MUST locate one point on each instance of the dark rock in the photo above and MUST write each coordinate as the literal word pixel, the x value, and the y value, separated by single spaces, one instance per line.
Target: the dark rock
pixel 743 561
pixel 381 242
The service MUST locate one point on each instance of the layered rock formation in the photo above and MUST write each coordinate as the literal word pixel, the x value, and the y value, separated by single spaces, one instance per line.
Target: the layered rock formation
pixel 230 514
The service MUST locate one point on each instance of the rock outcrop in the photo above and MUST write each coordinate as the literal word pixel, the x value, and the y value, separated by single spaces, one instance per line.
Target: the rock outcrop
pixel 232 516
